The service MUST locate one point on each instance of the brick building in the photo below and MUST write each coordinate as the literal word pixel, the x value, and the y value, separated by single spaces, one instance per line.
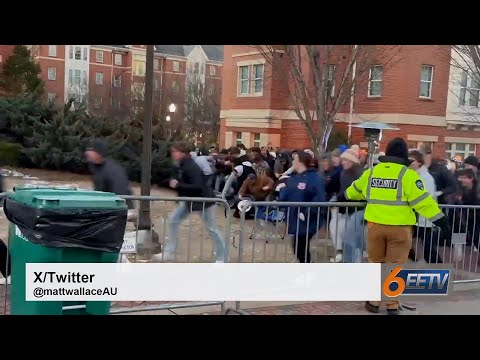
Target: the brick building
pixel 419 94
pixel 110 78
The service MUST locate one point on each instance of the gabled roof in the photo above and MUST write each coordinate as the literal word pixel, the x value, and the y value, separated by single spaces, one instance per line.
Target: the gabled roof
pixel 213 52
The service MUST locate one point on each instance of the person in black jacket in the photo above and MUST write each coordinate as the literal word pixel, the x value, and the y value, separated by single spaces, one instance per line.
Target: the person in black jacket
pixel 108 175
pixel 445 181
pixel 188 182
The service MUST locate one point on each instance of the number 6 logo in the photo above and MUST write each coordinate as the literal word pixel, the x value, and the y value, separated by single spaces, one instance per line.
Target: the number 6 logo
pixel 392 279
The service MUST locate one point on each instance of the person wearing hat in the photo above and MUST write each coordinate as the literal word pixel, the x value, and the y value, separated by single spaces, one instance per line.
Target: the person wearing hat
pixel 352 170
pixel 471 162
pixel 108 175
pixel 394 192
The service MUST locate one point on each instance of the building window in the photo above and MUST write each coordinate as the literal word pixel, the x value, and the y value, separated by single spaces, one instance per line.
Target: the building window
pixel 202 68
pixel 117 81
pixel 85 53
pixel 155 64
pixel 375 81
pixel 331 80
pixel 118 59
pixel 139 65
pixel 196 68
pixel 211 90
pixel 213 70
pixel 52 50
pixel 175 87
pixel 155 84
pixel 78 53
pixel 51 97
pixel 52 73
pixel 99 78
pixel 250 80
pixel 469 90
pixel 84 78
pixel 97 102
pixel 77 77
pixel 460 149
pixel 238 138
pixel 176 66
pixel 99 56
pixel 256 139
pixel 426 79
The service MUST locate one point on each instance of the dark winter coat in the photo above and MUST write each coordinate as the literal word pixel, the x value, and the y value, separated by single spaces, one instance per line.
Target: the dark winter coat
pixel 346 179
pixel 332 186
pixel 305 187
pixel 109 176
pixel 444 181
pixel 191 183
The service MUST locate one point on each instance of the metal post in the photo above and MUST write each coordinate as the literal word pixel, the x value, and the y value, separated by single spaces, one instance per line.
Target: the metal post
pixel 145 222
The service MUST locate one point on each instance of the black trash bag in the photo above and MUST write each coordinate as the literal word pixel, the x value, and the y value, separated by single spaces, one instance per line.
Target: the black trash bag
pixel 100 230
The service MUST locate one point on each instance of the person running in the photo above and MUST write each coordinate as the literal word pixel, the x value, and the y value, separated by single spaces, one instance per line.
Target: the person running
pixel 303 222
pixel 189 182
pixel 393 192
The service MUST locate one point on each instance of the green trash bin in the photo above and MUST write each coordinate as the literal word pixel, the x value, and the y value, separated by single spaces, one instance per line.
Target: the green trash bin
pixel 22 251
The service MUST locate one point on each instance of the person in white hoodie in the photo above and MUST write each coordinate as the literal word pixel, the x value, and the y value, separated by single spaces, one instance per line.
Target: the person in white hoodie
pixel 424 228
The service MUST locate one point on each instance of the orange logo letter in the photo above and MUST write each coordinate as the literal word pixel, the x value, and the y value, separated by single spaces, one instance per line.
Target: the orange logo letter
pixel 391 279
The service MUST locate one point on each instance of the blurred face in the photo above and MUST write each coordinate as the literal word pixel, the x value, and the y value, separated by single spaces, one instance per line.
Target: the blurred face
pixel 415 165
pixel 297 165
pixel 466 181
pixel 347 164
pixel 325 164
pixel 93 157
pixel 427 159
pixel 294 156
pixel 336 161
pixel 177 155
pixel 264 152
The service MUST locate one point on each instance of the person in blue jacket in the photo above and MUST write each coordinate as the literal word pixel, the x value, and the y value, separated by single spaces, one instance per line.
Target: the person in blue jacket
pixel 305 186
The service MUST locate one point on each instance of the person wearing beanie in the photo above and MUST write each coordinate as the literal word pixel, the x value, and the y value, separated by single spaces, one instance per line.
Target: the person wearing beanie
pixel 108 175
pixel 303 222
pixel 471 162
pixel 394 192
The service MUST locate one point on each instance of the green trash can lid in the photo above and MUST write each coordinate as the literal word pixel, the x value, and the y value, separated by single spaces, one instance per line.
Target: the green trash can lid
pixel 57 197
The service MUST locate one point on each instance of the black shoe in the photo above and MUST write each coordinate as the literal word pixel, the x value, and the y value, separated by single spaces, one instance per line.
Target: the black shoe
pixel 392 311
pixel 371 308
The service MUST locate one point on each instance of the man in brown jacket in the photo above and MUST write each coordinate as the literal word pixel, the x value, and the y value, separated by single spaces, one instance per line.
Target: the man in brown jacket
pixel 256 186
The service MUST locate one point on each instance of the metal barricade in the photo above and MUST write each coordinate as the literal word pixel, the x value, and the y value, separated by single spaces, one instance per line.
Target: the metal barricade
pixel 196 220
pixel 336 232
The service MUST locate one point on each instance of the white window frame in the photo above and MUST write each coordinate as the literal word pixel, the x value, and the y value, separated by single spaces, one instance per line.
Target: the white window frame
pixel 99 56
pixel 139 65
pixel 256 143
pixel 99 78
pixel 156 64
pixel 118 59
pixel 85 54
pixel 467 152
pixel 156 85
pixel 213 70
pixel 77 50
pixel 370 80
pixel 466 90
pixel 176 66
pixel 175 87
pixel 238 140
pixel 70 52
pixel 98 102
pixel 426 81
pixel 52 50
pixel 117 80
pixel 75 77
pixel 52 76
pixel 250 80
pixel 211 89
pixel 51 97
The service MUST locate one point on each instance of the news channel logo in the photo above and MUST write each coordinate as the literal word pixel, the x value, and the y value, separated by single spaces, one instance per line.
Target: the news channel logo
pixel 412 280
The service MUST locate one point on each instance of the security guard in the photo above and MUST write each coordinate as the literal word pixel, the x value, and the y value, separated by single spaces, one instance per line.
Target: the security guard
pixel 393 192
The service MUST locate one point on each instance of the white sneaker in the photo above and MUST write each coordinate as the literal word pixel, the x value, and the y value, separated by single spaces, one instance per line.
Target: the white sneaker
pixel 3 281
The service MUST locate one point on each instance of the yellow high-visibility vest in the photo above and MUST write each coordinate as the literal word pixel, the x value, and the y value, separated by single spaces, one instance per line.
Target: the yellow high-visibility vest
pixel 392 192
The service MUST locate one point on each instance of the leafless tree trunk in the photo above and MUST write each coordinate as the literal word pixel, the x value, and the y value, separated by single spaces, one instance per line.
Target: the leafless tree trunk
pixel 320 79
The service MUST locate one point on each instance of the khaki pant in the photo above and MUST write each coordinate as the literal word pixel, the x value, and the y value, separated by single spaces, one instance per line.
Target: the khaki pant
pixel 388 244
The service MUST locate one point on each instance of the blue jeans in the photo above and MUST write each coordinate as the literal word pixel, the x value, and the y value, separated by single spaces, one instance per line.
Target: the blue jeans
pixel 354 238
pixel 209 221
